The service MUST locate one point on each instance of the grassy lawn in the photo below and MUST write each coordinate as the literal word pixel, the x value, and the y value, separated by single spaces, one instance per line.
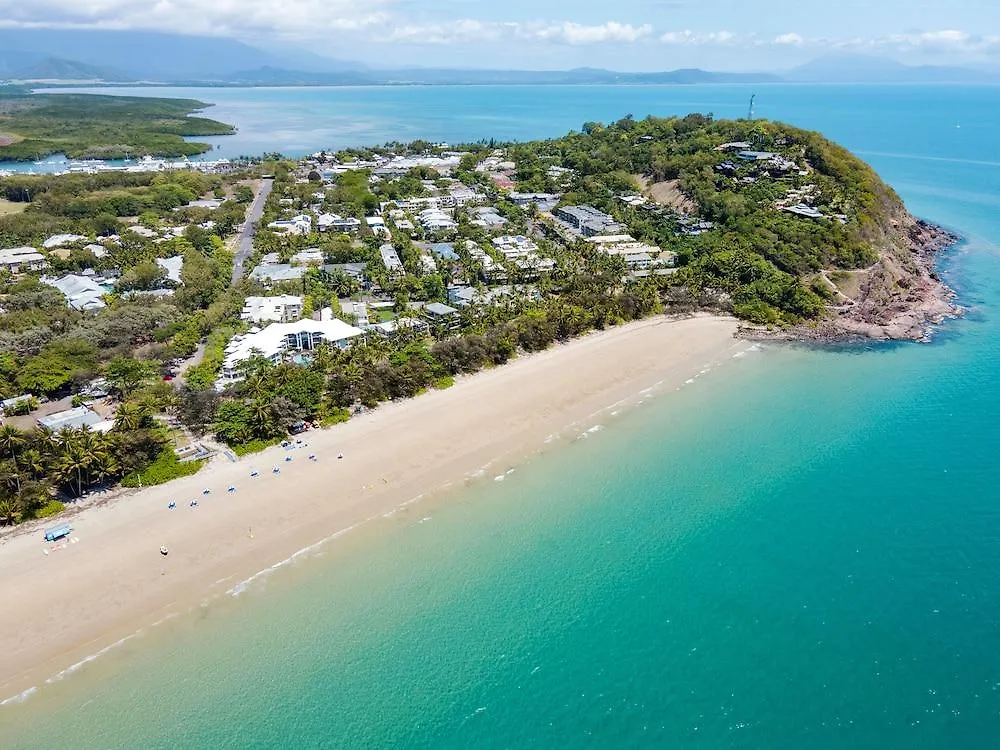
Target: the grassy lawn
pixel 6 207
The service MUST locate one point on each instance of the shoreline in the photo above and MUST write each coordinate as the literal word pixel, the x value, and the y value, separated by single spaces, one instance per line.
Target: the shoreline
pixel 110 584
pixel 900 302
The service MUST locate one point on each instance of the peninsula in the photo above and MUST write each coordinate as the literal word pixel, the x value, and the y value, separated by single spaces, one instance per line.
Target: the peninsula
pixel 132 353
pixel 34 126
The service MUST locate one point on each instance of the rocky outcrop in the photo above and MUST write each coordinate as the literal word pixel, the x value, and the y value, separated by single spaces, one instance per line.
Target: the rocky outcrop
pixel 900 297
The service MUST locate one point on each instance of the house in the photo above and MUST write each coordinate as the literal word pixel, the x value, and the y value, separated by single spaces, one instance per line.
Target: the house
pixel 377 225
pixel 284 308
pixel 280 339
pixel 492 271
pixel 460 195
pixel 81 292
pixel 355 271
pixel 801 209
pixel 633 199
pixel 337 223
pixel 487 217
pixel 445 249
pixel 21 259
pixel 211 203
pixel 390 258
pixel 275 272
pixel 142 231
pixel 435 220
pixel 391 327
pixel 311 256
pixel 58 240
pixel 172 266
pixel 514 246
pixel 427 263
pixel 10 404
pixel 357 311
pixel 587 220
pixel 300 224
pixel 75 419
pixel 544 201
pixel 757 155
pixel 463 296
pixel 439 314
pixel 638 256
pixel 734 146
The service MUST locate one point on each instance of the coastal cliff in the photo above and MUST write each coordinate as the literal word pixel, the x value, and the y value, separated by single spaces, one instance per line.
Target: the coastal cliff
pixel 898 298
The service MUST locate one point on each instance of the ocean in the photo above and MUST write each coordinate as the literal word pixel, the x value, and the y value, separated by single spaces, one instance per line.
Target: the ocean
pixel 800 548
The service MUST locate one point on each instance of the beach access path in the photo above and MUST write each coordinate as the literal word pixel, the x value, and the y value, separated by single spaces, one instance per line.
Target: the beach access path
pixel 65 601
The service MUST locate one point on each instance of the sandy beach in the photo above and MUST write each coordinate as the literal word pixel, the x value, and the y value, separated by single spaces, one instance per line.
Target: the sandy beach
pixel 112 580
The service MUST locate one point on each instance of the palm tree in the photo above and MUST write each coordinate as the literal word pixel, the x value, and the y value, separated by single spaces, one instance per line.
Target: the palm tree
pixel 8 510
pixel 262 417
pixel 33 462
pixel 130 416
pixel 70 467
pixel 11 441
pixel 106 467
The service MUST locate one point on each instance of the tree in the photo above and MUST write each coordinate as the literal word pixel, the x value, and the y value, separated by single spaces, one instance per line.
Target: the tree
pixel 197 408
pixel 11 441
pixel 131 416
pixel 126 375
pixel 8 509
pixel 143 277
pixel 233 423
pixel 71 465
pixel 57 365
pixel 106 225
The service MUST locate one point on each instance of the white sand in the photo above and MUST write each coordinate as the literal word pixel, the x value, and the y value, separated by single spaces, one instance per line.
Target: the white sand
pixel 58 608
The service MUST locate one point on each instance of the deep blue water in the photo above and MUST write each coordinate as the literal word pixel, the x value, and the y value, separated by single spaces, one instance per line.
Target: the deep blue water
pixel 801 549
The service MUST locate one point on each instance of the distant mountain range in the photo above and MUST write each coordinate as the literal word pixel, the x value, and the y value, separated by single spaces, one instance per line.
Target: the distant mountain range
pixel 867 69
pixel 56 69
pixel 153 57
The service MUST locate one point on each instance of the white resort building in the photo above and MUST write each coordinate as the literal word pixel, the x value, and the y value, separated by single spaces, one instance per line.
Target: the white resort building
pixel 280 340
pixel 285 308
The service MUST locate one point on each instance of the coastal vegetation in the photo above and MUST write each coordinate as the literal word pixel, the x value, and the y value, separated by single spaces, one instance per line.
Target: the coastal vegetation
pixel 86 126
pixel 772 224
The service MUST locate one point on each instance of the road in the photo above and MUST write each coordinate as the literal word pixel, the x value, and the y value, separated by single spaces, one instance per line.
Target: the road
pixel 249 229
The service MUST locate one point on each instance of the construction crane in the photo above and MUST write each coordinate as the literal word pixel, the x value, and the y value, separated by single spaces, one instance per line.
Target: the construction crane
pixel 750 111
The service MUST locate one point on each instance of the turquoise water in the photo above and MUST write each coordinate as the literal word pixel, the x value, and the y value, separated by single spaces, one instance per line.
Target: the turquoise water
pixel 802 548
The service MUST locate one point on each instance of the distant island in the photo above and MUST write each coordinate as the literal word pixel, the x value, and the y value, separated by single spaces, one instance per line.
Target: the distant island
pixel 153 316
pixel 83 126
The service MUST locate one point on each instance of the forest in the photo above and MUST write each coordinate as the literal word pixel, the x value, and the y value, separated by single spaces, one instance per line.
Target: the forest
pixel 86 126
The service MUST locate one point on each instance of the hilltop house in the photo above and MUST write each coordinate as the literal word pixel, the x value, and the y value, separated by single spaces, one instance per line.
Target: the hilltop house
pixel 81 292
pixel 587 220
pixel 21 259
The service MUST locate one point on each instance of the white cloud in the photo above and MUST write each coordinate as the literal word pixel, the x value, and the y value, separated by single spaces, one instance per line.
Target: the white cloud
pixel 575 33
pixel 465 31
pixel 699 37
pixel 297 19
pixel 792 39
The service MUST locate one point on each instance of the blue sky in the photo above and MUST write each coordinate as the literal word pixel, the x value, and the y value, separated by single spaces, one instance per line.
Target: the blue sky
pixel 624 34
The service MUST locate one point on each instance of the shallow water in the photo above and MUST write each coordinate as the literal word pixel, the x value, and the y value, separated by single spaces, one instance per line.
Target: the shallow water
pixel 802 547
